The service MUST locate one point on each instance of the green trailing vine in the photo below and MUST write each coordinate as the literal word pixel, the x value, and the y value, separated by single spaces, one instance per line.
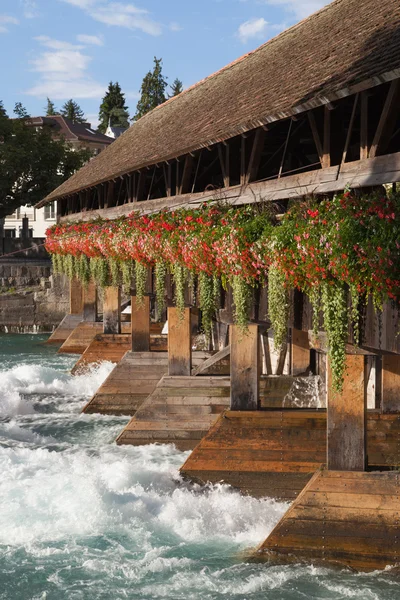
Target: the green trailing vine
pixel 334 307
pixel 126 268
pixel 206 302
pixel 241 292
pixel 278 305
pixel 141 280
pixel 115 274
pixel 179 274
pixel 160 282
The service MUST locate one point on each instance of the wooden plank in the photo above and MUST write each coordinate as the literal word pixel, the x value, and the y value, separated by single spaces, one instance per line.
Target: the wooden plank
pixel 75 297
pixel 346 441
pixel 185 186
pixel 245 368
pixel 390 383
pixel 350 130
pixel 179 342
pixel 387 121
pixel 326 157
pixel 90 301
pixel 300 352
pixel 255 156
pixel 223 164
pixel 112 310
pixel 316 136
pixel 212 361
pixel 140 319
pixel 364 147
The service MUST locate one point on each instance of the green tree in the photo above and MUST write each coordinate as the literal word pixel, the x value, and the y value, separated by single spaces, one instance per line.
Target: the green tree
pixel 20 111
pixel 71 110
pixel 176 88
pixel 32 162
pixel 152 92
pixel 50 109
pixel 113 108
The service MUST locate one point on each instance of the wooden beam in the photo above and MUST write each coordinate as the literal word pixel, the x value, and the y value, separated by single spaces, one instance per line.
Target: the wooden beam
pixel 187 175
pixel 224 166
pixel 315 133
pixel 255 156
pixel 167 178
pixel 364 148
pixel 179 342
pixel 213 360
pixel 112 310
pixel 350 130
pixel 389 116
pixel 243 160
pixel 140 186
pixel 300 352
pixel 90 302
pixel 245 368
pixel 346 411
pixel 140 321
pixel 326 157
pixel 75 297
pixel 390 402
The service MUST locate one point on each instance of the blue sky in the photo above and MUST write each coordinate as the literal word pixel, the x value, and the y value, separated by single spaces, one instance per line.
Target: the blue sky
pixel 73 48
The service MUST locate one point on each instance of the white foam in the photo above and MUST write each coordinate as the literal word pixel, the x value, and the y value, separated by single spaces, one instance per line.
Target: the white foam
pixel 20 382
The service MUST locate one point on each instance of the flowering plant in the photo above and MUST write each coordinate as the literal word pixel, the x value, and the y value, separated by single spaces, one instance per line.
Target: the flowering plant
pixel 337 251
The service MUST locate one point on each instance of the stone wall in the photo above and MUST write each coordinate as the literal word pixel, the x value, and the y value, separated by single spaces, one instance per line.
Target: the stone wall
pixel 31 299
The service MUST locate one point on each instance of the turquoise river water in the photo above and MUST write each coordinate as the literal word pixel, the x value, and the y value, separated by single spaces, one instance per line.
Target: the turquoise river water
pixel 82 519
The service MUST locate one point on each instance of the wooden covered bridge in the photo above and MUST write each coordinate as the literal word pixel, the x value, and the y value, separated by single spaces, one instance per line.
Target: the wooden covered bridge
pixel 312 112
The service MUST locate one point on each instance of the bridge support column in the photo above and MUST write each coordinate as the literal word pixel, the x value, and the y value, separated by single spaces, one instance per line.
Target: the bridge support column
pixel 90 302
pixel 75 297
pixel 179 342
pixel 245 368
pixel 112 310
pixel 346 435
pixel 390 383
pixel 140 319
pixel 300 352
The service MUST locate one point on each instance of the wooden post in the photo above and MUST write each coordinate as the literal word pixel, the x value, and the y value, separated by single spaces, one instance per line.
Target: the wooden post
pixel 112 310
pixel 346 435
pixel 245 368
pixel 179 342
pixel 90 302
pixel 390 383
pixel 75 297
pixel 300 352
pixel 140 320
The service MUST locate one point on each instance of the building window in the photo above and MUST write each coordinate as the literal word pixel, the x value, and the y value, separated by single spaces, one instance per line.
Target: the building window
pixel 9 233
pixel 50 211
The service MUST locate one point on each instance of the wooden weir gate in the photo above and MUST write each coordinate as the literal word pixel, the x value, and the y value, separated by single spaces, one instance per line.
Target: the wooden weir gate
pixel 339 465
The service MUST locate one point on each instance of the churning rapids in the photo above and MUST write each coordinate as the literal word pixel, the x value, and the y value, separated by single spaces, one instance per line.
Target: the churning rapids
pixel 81 518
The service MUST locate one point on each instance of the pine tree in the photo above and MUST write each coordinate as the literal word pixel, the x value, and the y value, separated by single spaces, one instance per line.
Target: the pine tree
pixel 50 109
pixel 71 110
pixel 113 108
pixel 20 111
pixel 152 91
pixel 176 88
pixel 3 112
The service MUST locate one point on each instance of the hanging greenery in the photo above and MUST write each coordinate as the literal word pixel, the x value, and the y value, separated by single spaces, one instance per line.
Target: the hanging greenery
pixel 337 251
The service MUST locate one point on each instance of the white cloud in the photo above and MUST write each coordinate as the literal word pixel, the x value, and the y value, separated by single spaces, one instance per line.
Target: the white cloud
pixel 7 20
pixel 63 72
pixel 94 40
pixel 29 9
pixel 53 44
pixel 254 28
pixel 119 15
pixel 175 26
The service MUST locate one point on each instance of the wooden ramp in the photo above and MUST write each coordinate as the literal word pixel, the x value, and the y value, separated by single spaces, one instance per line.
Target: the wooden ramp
pixel 113 348
pixel 129 384
pixel 64 330
pixel 80 338
pixel 180 411
pixel 275 452
pixel 344 517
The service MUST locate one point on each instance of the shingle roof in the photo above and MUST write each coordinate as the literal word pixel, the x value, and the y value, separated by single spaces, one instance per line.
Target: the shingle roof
pixel 71 131
pixel 347 46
